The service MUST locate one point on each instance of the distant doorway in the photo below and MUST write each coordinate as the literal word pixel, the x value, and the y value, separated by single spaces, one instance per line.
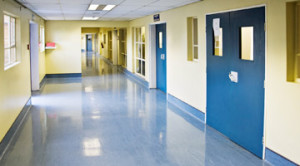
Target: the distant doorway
pixel 89 43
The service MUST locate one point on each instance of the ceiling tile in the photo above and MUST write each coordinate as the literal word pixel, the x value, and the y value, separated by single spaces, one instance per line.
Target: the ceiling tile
pixel 125 9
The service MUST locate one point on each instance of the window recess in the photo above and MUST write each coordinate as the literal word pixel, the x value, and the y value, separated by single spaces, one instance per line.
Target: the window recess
pixel 192 39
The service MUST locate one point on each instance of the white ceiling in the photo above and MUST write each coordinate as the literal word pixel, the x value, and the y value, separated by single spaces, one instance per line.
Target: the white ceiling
pixel 76 9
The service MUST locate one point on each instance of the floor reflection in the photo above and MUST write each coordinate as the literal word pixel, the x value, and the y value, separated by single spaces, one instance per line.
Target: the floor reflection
pixel 104 118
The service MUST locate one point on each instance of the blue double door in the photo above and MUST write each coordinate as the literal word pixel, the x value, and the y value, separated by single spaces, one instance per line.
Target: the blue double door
pixel 161 57
pixel 235 107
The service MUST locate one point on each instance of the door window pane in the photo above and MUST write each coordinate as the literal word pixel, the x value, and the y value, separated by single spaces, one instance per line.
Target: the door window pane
pixel 247 43
pixel 218 43
pixel 160 40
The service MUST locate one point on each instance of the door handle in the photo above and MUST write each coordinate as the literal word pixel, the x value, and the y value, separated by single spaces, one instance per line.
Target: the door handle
pixel 162 56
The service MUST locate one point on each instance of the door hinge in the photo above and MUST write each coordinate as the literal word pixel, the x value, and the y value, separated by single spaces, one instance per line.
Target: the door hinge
pixel 264 84
pixel 263 140
pixel 265 27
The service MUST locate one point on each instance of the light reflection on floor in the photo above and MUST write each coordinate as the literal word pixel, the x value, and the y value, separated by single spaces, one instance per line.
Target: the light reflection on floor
pixel 106 119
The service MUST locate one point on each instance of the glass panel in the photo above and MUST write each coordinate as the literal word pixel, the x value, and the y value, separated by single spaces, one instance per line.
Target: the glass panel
pixel 138 66
pixel 143 49
pixel 13 55
pixel 6 31
pixel 138 48
pixel 195 30
pixel 138 35
pixel 160 40
pixel 143 68
pixel 143 34
pixel 195 52
pixel 13 31
pixel 6 57
pixel 218 44
pixel 247 43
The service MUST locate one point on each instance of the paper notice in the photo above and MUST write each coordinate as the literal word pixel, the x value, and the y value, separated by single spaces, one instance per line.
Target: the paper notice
pixel 216 26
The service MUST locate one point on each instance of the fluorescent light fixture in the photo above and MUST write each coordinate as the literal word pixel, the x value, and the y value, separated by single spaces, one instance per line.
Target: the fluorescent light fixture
pixel 109 7
pixel 90 18
pixel 93 7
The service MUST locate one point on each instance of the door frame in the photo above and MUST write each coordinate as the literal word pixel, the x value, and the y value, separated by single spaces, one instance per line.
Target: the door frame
pixel 266 58
pixel 34 65
pixel 152 55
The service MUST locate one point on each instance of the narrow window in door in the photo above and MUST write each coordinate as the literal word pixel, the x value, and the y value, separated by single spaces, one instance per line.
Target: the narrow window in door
pixel 247 43
pixel 218 43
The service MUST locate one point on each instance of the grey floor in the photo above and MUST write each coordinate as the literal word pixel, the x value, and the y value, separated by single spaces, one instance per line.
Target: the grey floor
pixel 106 119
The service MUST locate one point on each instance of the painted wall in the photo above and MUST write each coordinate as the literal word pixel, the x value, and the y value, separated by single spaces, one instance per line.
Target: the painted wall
pixel 66 58
pixel 15 82
pixel 187 80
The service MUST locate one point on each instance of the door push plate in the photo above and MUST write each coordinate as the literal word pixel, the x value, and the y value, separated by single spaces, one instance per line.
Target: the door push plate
pixel 162 56
pixel 234 76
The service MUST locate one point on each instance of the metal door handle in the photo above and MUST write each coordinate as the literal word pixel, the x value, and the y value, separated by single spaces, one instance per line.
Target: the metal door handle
pixel 162 56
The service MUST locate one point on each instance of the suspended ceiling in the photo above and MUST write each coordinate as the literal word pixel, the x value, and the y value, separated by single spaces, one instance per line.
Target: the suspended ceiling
pixel 77 9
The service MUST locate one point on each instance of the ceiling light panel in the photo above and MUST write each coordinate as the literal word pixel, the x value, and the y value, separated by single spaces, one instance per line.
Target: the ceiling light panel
pixel 109 7
pixel 93 7
pixel 90 18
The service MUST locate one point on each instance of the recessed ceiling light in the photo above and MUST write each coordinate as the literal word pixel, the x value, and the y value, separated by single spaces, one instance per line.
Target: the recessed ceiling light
pixel 93 7
pixel 90 18
pixel 109 7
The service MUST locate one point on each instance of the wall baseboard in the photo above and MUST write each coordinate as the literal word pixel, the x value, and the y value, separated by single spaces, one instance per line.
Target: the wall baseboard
pixel 134 77
pixel 186 107
pixel 14 128
pixel 42 83
pixel 68 75
pixel 276 159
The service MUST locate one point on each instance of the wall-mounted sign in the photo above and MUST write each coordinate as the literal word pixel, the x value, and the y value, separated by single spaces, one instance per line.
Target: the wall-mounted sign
pixel 156 17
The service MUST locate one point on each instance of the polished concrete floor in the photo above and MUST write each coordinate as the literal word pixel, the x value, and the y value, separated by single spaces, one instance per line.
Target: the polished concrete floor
pixel 106 119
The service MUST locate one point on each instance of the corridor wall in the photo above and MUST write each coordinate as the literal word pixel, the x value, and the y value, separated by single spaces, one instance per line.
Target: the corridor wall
pixel 187 79
pixel 15 82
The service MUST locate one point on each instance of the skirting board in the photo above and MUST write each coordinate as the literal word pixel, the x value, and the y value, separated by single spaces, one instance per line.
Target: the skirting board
pixel 276 159
pixel 42 83
pixel 14 128
pixel 68 75
pixel 134 77
pixel 187 108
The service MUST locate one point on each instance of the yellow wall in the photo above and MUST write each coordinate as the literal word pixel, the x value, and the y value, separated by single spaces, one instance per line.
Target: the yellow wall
pixel 187 80
pixel 15 82
pixel 67 36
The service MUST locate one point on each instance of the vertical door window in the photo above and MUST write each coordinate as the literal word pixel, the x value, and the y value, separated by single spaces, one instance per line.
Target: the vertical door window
pixel 140 51
pixel 10 56
pixel 247 39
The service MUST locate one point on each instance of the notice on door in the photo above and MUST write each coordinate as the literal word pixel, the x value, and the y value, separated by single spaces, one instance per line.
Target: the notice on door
pixel 216 26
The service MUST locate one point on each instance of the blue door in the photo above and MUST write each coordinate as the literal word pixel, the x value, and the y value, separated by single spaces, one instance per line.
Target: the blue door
pixel 161 57
pixel 235 104
pixel 89 44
